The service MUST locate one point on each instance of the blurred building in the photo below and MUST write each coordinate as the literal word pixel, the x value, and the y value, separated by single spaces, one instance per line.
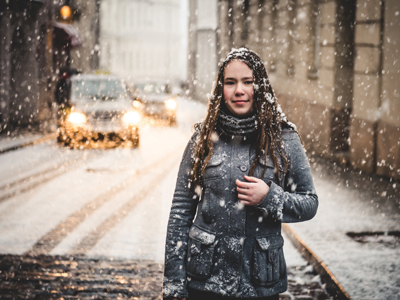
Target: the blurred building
pixel 38 44
pixel 143 39
pixel 203 47
pixel 333 64
pixel 86 57
pixel 25 63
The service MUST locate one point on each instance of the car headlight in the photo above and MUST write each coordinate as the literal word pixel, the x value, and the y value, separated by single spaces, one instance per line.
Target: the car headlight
pixel 131 118
pixel 170 104
pixel 136 104
pixel 77 118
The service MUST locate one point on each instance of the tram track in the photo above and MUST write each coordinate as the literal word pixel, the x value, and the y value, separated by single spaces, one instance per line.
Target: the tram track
pixel 91 239
pixel 33 181
pixel 53 237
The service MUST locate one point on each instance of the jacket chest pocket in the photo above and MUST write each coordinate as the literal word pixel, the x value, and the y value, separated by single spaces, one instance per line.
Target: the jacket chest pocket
pixel 200 253
pixel 269 262
pixel 214 168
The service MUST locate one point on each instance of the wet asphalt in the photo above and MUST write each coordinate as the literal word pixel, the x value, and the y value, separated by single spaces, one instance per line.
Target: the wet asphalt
pixel 75 277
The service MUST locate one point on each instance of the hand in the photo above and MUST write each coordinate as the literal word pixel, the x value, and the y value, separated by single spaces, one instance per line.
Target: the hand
pixel 251 192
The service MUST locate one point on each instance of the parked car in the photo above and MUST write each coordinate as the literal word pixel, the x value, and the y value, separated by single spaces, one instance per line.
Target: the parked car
pixel 99 110
pixel 156 100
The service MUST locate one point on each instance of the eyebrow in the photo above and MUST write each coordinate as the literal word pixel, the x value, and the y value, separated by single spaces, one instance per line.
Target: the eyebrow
pixel 244 78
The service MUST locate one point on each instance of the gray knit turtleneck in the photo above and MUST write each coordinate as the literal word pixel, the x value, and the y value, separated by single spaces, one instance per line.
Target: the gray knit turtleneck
pixel 233 126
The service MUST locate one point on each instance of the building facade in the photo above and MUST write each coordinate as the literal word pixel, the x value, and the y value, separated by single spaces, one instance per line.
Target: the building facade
pixel 25 63
pixel 143 39
pixel 203 46
pixel 36 44
pixel 334 66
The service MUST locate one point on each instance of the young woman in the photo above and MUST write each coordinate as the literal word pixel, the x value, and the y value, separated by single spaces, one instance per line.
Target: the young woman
pixel 243 173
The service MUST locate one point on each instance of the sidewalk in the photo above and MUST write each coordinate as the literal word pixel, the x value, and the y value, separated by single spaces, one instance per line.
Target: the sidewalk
pixel 8 143
pixel 367 208
pixel 14 139
pixel 350 203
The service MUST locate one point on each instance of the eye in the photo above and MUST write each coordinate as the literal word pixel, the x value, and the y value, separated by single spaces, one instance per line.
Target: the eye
pixel 248 82
pixel 229 83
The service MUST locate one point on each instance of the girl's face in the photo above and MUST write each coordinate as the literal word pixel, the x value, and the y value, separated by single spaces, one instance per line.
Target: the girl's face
pixel 238 88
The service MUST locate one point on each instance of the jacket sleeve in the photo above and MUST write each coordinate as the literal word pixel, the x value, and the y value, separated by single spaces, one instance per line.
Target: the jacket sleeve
pixel 297 201
pixel 181 216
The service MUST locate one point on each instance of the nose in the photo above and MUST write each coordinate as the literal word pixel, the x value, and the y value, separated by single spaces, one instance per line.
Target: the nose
pixel 239 89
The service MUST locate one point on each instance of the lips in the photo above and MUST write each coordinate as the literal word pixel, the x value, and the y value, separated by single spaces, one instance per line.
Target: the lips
pixel 240 102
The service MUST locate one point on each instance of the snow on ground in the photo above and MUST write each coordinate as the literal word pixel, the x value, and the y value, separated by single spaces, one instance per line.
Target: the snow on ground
pixel 138 235
pixel 16 140
pixel 366 271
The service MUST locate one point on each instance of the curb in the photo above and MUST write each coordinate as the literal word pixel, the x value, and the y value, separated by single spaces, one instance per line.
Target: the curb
pixel 33 142
pixel 333 287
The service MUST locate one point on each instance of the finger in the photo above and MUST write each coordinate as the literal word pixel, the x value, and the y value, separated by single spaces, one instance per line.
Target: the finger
pixel 249 204
pixel 242 196
pixel 243 190
pixel 251 178
pixel 246 193
pixel 242 184
pixel 246 202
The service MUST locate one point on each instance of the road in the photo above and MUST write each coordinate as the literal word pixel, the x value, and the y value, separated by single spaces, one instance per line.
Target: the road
pixel 93 202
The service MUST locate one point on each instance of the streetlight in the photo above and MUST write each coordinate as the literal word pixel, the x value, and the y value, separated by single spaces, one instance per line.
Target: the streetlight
pixel 65 13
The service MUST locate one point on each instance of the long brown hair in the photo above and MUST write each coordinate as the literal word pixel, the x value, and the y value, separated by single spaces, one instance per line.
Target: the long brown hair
pixel 269 118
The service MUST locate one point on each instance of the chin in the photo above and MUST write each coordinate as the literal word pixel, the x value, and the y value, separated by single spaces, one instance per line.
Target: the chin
pixel 239 112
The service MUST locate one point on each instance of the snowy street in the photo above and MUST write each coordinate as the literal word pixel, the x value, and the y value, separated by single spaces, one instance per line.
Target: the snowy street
pixel 95 202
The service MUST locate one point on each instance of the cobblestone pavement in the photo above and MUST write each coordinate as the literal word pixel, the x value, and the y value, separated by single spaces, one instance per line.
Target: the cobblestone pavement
pixel 56 277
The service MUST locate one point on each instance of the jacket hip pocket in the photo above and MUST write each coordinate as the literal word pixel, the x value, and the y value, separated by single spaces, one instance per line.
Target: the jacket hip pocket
pixel 200 253
pixel 268 263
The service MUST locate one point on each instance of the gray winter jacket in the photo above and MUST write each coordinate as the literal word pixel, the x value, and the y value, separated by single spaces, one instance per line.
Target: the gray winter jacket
pixel 216 244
